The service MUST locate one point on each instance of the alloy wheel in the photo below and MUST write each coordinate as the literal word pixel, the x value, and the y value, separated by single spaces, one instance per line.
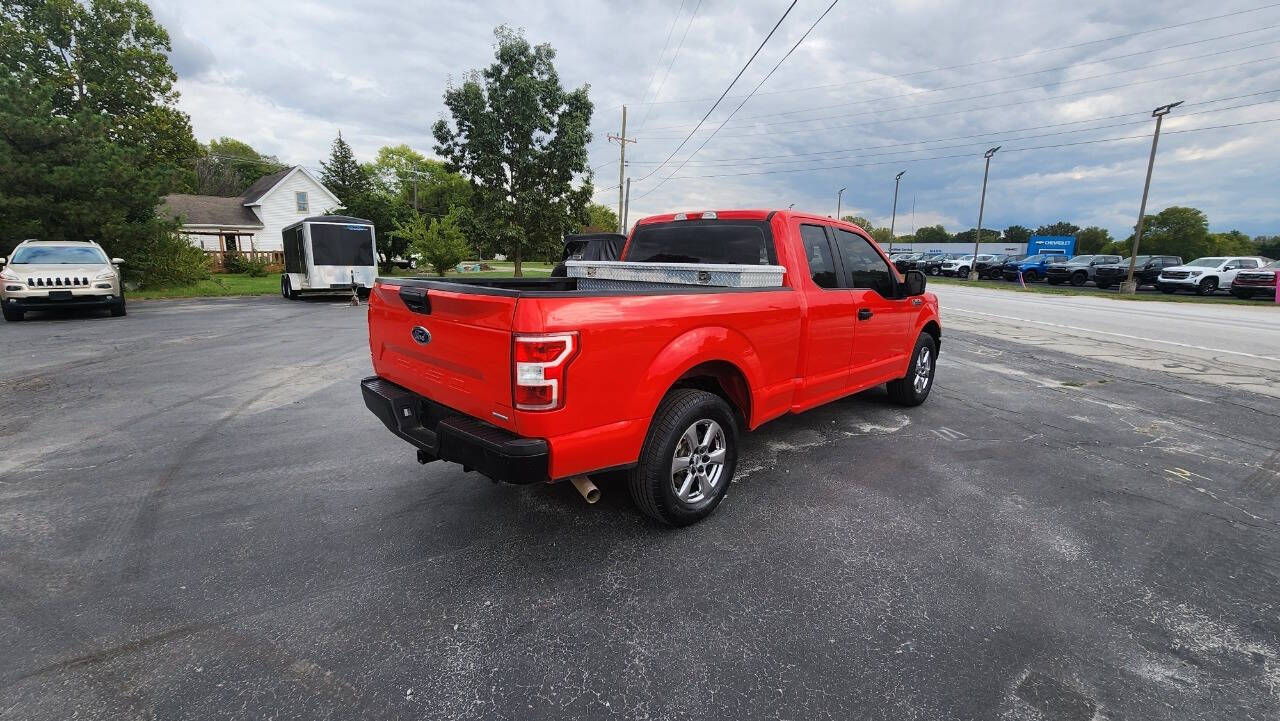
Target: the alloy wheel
pixel 697 464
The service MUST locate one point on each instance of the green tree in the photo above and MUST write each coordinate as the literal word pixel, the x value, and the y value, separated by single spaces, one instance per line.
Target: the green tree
pixel 1017 234
pixel 229 162
pixel 967 236
pixel 520 139
pixel 90 137
pixel 438 243
pixel 932 234
pixel 342 174
pixel 600 219
pixel 1232 242
pixel 859 221
pixel 1177 231
pixel 1267 245
pixel 1092 240
pixel 1061 227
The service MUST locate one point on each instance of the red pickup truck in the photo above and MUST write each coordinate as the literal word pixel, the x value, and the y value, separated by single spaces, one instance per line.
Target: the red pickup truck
pixel 535 379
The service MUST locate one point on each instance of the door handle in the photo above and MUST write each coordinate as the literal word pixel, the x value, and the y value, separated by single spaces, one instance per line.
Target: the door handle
pixel 864 313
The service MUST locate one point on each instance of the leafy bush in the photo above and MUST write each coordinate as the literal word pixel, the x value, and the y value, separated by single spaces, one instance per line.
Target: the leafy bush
pixel 165 259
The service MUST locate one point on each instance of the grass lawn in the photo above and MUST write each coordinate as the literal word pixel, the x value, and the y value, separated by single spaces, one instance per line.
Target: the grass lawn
pixel 220 284
pixel 1046 289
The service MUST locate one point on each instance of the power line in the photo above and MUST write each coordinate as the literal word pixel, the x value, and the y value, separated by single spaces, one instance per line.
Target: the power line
pixel 984 108
pixel 970 155
pixel 744 100
pixel 662 84
pixel 992 93
pixel 796 157
pixel 1002 59
pixel 649 83
pixel 1023 75
pixel 726 90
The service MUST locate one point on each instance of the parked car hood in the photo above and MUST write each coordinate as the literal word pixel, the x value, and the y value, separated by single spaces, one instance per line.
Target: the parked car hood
pixel 1202 268
pixel 58 270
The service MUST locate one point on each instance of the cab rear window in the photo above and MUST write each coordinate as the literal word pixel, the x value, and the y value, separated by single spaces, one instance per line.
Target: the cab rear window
pixel 703 241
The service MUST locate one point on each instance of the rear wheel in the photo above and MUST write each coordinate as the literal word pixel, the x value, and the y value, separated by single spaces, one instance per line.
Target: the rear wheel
pixel 12 315
pixel 913 388
pixel 1208 286
pixel 688 458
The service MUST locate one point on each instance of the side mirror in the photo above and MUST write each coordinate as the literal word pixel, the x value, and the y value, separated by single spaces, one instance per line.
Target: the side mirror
pixel 915 283
pixel 117 261
pixel 3 261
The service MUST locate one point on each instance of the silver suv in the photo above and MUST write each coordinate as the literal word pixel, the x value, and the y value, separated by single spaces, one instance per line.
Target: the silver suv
pixel 48 274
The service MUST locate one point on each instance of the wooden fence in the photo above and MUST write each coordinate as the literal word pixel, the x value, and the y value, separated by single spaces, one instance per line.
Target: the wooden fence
pixel 270 257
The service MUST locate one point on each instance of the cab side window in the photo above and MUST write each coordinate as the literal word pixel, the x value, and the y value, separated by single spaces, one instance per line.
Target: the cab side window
pixel 817 250
pixel 863 265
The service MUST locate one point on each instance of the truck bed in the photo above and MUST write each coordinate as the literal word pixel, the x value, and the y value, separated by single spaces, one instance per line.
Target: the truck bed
pixel 555 287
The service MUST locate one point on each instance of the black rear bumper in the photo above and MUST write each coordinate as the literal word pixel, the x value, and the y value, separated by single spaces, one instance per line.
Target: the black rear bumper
pixel 446 434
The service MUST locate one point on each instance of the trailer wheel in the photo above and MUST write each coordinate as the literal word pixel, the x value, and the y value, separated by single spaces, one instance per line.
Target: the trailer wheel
pixel 688 458
pixel 286 288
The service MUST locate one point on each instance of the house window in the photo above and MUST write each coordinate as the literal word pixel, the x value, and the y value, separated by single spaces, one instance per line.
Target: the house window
pixel 301 200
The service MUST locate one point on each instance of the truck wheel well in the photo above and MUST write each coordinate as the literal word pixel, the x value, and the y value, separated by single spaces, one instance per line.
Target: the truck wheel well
pixel 933 329
pixel 723 379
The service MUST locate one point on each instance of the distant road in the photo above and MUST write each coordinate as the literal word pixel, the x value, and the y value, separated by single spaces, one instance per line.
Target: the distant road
pixel 1235 345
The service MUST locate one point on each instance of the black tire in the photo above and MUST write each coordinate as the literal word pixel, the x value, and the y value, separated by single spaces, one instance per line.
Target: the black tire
pixel 652 481
pixel 1079 278
pixel 1168 290
pixel 906 391
pixel 118 309
pixel 933 271
pixel 12 315
pixel 1208 286
pixel 1030 276
pixel 1242 294
pixel 286 288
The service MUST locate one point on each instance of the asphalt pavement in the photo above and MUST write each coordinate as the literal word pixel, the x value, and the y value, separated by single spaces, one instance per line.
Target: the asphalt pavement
pixel 199 519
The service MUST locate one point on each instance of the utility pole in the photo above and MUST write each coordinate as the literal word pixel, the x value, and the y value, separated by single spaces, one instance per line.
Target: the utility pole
pixel 839 195
pixel 912 245
pixel 894 217
pixel 626 208
pixel 982 204
pixel 622 165
pixel 1129 286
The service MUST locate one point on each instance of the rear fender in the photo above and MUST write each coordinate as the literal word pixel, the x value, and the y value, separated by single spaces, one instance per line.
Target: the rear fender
pixel 707 345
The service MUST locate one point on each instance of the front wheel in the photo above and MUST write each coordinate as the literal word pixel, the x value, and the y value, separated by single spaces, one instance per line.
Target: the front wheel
pixel 1208 286
pixel 1029 276
pixel 118 309
pixel 913 388
pixel 688 458
pixel 1079 279
pixel 11 315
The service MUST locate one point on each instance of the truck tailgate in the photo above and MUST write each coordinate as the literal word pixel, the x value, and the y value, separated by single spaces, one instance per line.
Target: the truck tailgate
pixel 451 347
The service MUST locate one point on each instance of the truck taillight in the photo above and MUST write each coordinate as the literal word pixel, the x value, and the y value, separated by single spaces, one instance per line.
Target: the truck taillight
pixel 540 363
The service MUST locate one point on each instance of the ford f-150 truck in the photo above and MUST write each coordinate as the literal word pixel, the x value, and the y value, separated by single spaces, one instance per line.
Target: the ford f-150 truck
pixel 536 380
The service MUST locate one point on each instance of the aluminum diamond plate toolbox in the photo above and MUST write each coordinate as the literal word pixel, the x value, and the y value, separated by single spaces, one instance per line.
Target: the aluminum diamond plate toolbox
pixel 723 276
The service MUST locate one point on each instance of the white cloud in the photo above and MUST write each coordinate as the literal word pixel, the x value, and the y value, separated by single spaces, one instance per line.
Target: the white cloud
pixel 287 80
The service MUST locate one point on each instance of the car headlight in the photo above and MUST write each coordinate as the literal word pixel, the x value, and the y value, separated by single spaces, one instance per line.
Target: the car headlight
pixel 1194 273
pixel 7 274
pixel 105 275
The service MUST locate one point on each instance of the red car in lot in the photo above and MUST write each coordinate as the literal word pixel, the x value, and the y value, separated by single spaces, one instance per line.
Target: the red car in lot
pixel 1262 282
pixel 535 379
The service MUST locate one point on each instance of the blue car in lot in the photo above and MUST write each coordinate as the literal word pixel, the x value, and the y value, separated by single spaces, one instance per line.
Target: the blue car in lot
pixel 1032 267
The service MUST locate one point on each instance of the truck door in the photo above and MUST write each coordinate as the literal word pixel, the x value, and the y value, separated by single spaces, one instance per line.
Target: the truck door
pixel 881 321
pixel 827 336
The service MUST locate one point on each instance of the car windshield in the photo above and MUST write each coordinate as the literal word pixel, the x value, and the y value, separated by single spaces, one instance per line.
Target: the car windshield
pixel 985 257
pixel 1273 265
pixel 1140 260
pixel 1206 262
pixel 57 255
pixel 1082 258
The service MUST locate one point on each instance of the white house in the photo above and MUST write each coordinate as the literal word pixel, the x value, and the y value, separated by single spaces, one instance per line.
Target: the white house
pixel 252 222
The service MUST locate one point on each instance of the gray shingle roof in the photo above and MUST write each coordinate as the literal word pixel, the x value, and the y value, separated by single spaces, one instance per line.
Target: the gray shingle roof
pixel 209 210
pixel 260 186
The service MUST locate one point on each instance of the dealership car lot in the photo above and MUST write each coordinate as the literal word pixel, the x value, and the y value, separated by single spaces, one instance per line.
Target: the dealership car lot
pixel 201 520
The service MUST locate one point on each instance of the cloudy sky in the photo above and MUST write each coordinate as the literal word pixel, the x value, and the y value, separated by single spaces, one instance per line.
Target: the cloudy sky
pixel 878 87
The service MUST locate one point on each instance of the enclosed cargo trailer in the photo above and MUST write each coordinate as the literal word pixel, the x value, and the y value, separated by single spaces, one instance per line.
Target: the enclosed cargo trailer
pixel 328 254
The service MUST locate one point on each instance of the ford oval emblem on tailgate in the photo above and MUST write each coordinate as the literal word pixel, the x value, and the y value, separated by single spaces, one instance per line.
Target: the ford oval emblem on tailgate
pixel 421 335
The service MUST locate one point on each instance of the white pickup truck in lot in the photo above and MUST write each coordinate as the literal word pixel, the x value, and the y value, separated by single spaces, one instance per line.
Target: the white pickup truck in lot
pixel 1206 275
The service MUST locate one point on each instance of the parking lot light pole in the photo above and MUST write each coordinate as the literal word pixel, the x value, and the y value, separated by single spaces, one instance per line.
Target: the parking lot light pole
pixel 982 204
pixel 1128 286
pixel 839 195
pixel 893 218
